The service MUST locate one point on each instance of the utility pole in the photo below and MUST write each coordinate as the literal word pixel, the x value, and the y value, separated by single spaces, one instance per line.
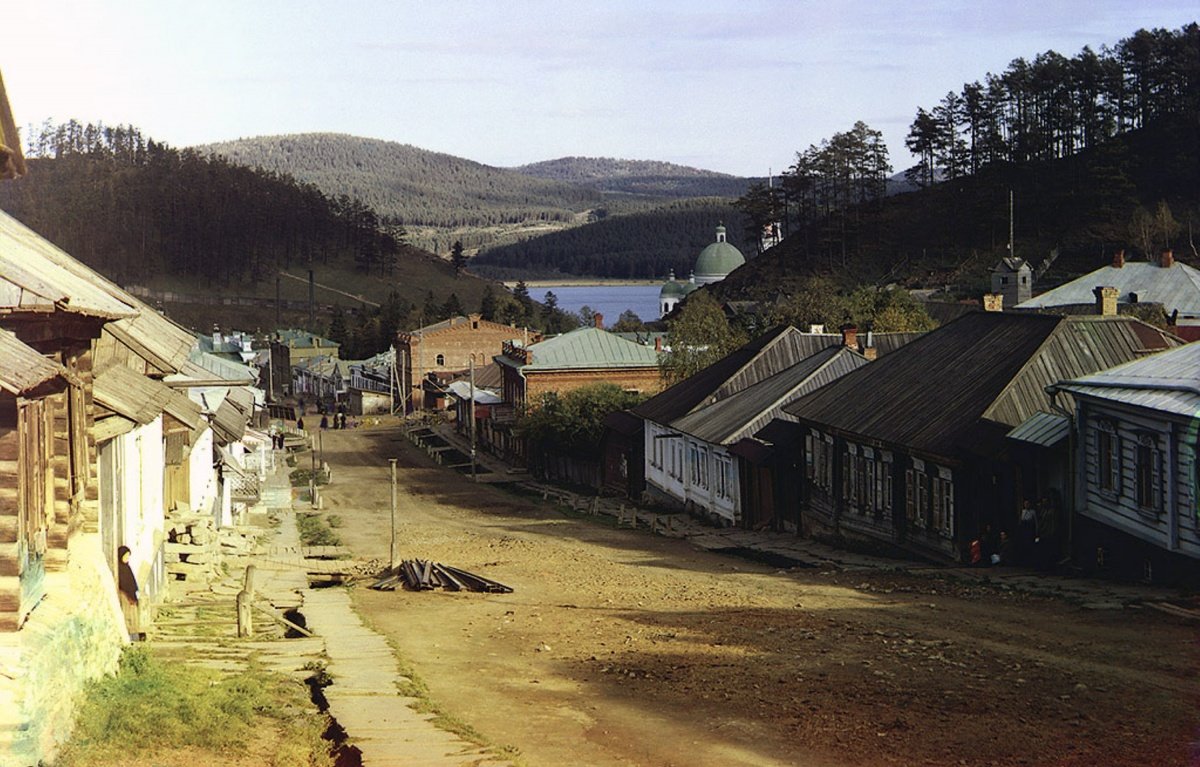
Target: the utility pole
pixel 473 477
pixel 392 555
pixel 392 384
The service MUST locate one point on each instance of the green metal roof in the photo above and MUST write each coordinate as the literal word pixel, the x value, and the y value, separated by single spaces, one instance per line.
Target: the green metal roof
pixel 590 348
pixel 671 288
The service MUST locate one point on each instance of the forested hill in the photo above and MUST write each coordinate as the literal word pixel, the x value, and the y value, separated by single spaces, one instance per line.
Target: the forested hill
pixel 410 186
pixel 637 245
pixel 1097 151
pixel 638 177
pixel 139 211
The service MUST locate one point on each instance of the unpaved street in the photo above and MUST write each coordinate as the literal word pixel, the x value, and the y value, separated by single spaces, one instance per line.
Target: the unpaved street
pixel 623 648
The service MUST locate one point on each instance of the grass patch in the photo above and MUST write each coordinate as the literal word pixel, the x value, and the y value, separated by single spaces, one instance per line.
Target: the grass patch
pixel 301 477
pixel 316 530
pixel 151 706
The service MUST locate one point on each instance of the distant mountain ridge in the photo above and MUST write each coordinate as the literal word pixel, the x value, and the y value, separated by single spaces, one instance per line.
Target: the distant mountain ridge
pixel 650 178
pixel 439 198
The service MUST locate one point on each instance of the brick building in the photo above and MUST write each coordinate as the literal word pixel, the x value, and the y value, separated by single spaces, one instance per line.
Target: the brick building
pixel 576 359
pixel 446 347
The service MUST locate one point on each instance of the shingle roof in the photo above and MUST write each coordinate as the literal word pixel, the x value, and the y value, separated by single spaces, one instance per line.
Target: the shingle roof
pixel 1175 287
pixel 932 395
pixel 777 349
pixel 587 348
pixel 23 368
pixel 745 412
pixel 142 399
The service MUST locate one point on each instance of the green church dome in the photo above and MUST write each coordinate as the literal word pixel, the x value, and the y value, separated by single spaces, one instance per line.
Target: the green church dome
pixel 671 288
pixel 690 286
pixel 718 259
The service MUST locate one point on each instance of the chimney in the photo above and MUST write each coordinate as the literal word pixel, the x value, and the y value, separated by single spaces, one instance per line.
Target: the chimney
pixel 871 353
pixel 1118 259
pixel 1168 259
pixel 850 336
pixel 993 302
pixel 658 344
pixel 1106 301
pixel 598 320
pixel 816 330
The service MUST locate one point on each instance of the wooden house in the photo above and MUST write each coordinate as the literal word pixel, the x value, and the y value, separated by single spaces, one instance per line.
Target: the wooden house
pixel 57 595
pixel 1137 489
pixel 910 451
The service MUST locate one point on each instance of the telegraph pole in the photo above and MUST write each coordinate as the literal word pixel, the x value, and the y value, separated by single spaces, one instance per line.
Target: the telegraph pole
pixel 392 555
pixel 473 477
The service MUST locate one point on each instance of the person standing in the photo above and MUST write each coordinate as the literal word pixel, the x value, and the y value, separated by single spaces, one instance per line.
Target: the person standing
pixel 1027 532
pixel 127 591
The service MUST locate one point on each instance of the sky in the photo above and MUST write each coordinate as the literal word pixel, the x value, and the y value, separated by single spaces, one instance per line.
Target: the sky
pixel 737 86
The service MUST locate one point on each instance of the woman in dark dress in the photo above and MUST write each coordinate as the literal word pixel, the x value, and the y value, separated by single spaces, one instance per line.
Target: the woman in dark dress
pixel 127 589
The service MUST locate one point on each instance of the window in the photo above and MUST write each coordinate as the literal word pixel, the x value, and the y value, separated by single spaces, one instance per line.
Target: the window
pixel 821 451
pixel 1108 457
pixel 943 503
pixel 441 360
pixel 1148 469
pixel 916 494
pixel 724 477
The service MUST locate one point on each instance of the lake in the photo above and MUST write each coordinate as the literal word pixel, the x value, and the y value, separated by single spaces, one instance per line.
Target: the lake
pixel 609 300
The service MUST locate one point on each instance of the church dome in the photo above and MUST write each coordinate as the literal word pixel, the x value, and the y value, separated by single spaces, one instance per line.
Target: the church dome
pixel 671 288
pixel 717 260
pixel 690 286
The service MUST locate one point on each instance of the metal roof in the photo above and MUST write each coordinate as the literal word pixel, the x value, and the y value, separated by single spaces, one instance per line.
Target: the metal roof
pixel 1175 287
pixel 933 395
pixel 587 348
pixel 1167 382
pixel 777 349
pixel 462 390
pixel 35 275
pixel 1042 428
pixel 23 368
pixel 752 408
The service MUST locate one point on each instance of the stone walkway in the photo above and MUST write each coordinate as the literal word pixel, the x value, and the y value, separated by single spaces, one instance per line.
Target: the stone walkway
pixel 381 725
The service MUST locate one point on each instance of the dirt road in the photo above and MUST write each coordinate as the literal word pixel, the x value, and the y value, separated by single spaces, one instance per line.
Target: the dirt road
pixel 619 647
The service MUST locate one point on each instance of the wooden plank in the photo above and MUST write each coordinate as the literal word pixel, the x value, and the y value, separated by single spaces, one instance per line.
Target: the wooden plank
pixel 270 612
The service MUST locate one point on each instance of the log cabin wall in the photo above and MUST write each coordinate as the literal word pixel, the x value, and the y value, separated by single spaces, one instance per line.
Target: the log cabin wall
pixel 10 585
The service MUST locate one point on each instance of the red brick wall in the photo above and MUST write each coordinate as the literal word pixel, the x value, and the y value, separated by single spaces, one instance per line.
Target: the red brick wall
pixel 643 380
pixel 456 344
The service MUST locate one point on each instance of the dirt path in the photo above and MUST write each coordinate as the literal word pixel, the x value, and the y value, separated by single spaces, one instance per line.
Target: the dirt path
pixel 622 648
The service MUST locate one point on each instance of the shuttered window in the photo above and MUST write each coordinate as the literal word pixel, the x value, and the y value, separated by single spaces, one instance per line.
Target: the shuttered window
pixel 1108 457
pixel 1149 471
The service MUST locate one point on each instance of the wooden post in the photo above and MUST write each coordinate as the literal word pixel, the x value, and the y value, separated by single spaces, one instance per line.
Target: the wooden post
pixel 473 477
pixel 392 548
pixel 245 602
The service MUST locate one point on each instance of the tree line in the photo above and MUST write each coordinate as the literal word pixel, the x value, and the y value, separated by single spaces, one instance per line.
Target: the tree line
pixel 1053 106
pixel 635 246
pixel 136 208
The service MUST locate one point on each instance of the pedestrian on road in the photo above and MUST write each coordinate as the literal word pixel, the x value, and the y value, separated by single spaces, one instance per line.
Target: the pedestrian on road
pixel 300 423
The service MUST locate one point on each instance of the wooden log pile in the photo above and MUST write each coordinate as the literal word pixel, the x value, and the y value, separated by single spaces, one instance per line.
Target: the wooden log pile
pixel 426 575
pixel 195 547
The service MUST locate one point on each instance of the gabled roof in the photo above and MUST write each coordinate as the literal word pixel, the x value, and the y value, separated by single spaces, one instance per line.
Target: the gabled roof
pixel 204 369
pixel 1011 264
pixel 1176 287
pixel 933 395
pixel 777 349
pixel 23 368
pixel 1168 382
pixel 36 276
pixel 142 399
pixel 459 322
pixel 586 349
pixel 745 412
pixel 302 339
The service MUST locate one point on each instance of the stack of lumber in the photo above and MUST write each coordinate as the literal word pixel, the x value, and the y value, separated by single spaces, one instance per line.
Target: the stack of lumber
pixel 425 575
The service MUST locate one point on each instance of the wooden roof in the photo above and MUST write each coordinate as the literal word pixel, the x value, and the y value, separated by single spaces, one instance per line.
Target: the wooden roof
pixel 36 276
pixel 23 369
pixel 142 399
pixel 935 395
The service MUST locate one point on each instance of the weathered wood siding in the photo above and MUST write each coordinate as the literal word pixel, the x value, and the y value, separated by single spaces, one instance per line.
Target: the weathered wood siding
pixel 1171 523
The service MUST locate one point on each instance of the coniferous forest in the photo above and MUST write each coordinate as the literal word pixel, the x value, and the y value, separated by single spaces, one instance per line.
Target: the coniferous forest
pixel 1100 150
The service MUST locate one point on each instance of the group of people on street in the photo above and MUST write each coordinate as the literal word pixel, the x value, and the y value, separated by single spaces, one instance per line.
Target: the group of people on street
pixel 1036 544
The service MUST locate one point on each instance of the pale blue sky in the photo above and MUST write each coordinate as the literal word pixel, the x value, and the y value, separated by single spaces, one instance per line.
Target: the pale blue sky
pixel 735 86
